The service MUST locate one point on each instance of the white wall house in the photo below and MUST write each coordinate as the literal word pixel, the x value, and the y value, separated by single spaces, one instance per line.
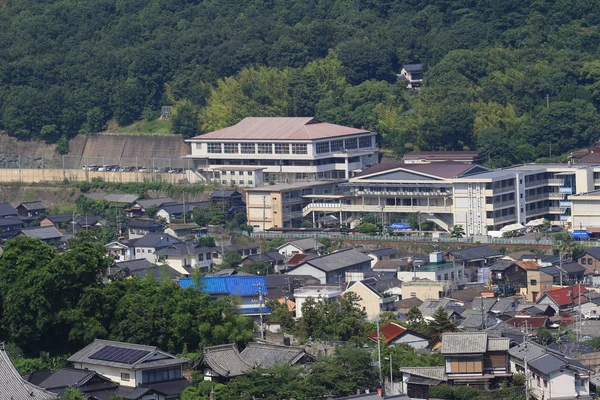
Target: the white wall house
pixel 281 150
pixel 328 293
pixel 184 255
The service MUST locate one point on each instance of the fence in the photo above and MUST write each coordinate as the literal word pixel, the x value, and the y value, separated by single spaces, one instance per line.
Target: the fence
pixel 417 239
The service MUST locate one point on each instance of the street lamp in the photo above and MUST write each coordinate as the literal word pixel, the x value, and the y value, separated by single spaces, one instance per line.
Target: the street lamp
pixel 391 375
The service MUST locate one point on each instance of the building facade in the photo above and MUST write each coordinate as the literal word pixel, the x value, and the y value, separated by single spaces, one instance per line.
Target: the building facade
pixel 281 150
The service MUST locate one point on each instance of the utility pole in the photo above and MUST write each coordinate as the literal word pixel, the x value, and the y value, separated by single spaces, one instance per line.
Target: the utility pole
pixel 183 207
pixel 260 299
pixel 547 100
pixel 525 337
pixel 579 313
pixel 264 211
pixel 391 376
pixel 379 354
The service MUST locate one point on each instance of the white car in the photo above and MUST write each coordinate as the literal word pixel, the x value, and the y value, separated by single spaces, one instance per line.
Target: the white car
pixel 592 316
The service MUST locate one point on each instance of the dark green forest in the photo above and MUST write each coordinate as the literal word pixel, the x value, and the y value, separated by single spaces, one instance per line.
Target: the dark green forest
pixel 517 80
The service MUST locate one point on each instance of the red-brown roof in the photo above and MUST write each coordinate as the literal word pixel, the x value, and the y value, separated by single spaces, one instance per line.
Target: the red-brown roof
pixel 567 295
pixel 529 322
pixel 297 258
pixel 528 264
pixel 388 332
pixel 446 169
pixel 280 128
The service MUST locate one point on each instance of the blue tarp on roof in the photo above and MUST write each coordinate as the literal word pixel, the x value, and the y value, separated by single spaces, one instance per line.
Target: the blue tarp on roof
pixel 232 285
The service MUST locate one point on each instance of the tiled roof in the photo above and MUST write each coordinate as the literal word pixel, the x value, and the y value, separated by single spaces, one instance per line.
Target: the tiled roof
pixel 464 343
pixel 225 360
pixel 388 332
pixel 297 258
pixel 498 344
pixel 60 218
pixel 64 378
pixel 565 296
pixel 121 198
pixel 146 203
pixel 142 223
pixel 304 244
pixel 548 363
pixel 33 205
pixel 183 248
pixel 437 373
pixel 594 252
pixel 528 265
pixel 280 128
pixel 10 221
pixel 14 387
pixel 266 355
pixel 532 350
pixel 572 268
pixel 408 303
pixel 476 253
pixel 231 285
pixel 6 210
pixel 177 208
pixel 383 252
pixel 338 260
pixel 446 169
pixel 155 240
pixel 42 232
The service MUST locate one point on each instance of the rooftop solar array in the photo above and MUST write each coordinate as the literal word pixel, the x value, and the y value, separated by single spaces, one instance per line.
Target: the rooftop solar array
pixel 119 354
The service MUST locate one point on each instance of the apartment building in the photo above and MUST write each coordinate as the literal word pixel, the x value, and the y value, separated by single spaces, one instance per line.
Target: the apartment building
pixel 468 195
pixel 279 150
pixel 277 206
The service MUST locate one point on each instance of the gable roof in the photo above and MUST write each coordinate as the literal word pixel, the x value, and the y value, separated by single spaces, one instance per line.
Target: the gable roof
pixel 6 210
pixel 143 223
pixel 60 218
pixel 551 362
pixel 338 260
pixel 408 303
pixel 385 252
pixel 11 221
pixel 224 194
pixel 572 268
pixel 564 296
pixel 65 378
pixel 14 387
pixel 464 343
pixel 42 232
pixel 177 208
pixel 436 373
pixel 155 240
pixel 280 128
pixel 303 244
pixel 298 258
pixel 594 252
pixel 183 248
pixel 528 265
pixel 413 67
pixel 147 203
pixel 266 355
pixel 438 170
pixel 32 205
pixel 475 253
pixel 533 322
pixel 87 355
pixel 388 332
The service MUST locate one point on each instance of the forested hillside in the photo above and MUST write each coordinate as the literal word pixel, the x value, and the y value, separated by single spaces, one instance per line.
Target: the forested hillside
pixel 510 78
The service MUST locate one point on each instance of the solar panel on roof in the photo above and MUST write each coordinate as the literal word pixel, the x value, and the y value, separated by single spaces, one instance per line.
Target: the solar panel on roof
pixel 119 354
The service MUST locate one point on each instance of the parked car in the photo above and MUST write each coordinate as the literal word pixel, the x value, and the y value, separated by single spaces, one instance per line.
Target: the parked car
pixel 555 228
pixel 581 234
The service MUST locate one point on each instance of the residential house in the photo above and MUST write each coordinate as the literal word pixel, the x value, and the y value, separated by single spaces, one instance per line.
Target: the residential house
pixel 271 257
pixel 147 245
pixel 117 250
pixel 47 234
pixel 563 298
pixel 282 286
pixel 251 291
pixel 31 209
pixel 403 306
pixel 384 282
pixel 327 293
pixel 569 273
pixel 6 211
pixel 14 387
pixel 393 333
pixel 91 384
pixel 84 222
pixel 538 283
pixel 453 308
pixel 591 308
pixel 231 201
pixel 117 199
pixel 139 227
pixel 243 249
pixel 10 227
pixel 133 365
pixel 381 255
pixel 59 221
pixel 551 374
pixel 510 277
pixel 473 258
pixel 185 255
pixel 411 74
pixel 226 361
pixel 144 268
pixel 170 211
pixel 331 268
pixel 590 260
pixel 425 289
pixel 141 207
pixel 527 324
pixel 188 229
pixel 371 301
pixel 300 246
pixel 472 359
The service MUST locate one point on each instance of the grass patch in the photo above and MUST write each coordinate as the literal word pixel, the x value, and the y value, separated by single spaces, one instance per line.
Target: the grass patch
pixel 155 126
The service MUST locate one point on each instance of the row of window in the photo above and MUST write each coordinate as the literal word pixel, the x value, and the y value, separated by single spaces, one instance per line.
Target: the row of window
pixel 161 375
pixel 232 182
pixel 288 148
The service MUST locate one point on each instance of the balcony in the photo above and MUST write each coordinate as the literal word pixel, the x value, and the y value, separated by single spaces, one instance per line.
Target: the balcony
pixel 503 189
pixel 504 218
pixel 539 182
pixel 565 204
pixel 557 210
pixel 534 197
pixel 597 182
pixel 499 205
pixel 538 211
pixel 337 207
pixel 556 196
pixel 556 182
pixel 565 190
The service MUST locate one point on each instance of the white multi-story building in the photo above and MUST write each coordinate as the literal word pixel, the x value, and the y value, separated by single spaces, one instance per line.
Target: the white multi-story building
pixel 277 149
pixel 450 193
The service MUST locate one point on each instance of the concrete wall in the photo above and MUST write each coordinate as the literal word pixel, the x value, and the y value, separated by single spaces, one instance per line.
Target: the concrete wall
pixel 57 175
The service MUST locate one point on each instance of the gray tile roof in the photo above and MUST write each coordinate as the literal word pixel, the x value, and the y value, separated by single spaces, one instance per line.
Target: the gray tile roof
pixel 83 355
pixel 338 260
pixel 225 360
pixel 14 387
pixel 305 244
pixel 146 203
pixel 594 252
pixel 10 221
pixel 121 198
pixel 142 223
pixel 498 344
pixel 155 240
pixel 265 355
pixel 476 253
pixel 184 248
pixel 60 218
pixel 464 343
pixel 437 373
pixel 548 363
pixel 33 205
pixel 42 232
pixel 383 252
pixel 6 210
pixel 533 351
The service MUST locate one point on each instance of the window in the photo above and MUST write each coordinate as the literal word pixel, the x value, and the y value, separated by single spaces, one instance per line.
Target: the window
pixel 337 145
pixel 161 375
pixel 413 294
pixel 583 261
pixel 241 181
pixel 249 182
pixel 589 261
pixel 200 257
pixel 198 146
pixel 282 148
pixel 351 144
pixel 208 256
pixel 322 147
pixel 365 141
pixel 248 148
pixel 214 148
pixel 249 173
pixel 149 250
pixel 265 148
pixel 125 377
pixel 231 148
pixel 138 250
pixel 533 282
pixel 299 148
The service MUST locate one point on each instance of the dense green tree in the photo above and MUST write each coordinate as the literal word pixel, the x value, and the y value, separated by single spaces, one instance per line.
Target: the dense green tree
pixel 415 321
pixel 185 119
pixel 281 313
pixel 441 322
pixel 458 231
